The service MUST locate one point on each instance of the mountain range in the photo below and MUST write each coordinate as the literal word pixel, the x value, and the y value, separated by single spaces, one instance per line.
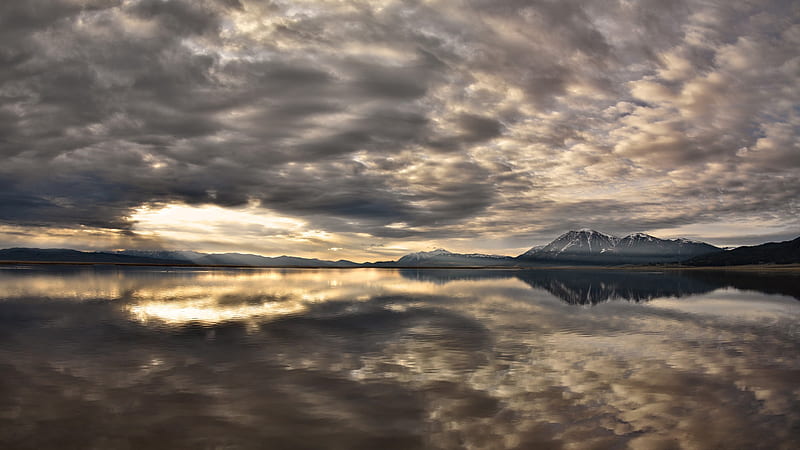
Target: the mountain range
pixel 236 259
pixel 593 247
pixel 787 252
pixel 74 256
pixel 580 247
pixel 443 258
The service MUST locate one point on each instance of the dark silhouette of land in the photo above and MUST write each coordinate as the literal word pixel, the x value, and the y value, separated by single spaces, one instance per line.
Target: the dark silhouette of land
pixel 585 248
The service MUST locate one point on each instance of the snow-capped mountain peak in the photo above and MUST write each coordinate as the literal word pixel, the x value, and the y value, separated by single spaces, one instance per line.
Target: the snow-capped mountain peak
pixel 584 241
pixel 442 257
pixel 436 252
pixel 687 241
pixel 419 256
pixel 640 236
pixel 588 243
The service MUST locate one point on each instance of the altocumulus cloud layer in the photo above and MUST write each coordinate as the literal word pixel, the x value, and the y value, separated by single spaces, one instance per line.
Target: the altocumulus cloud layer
pixel 369 123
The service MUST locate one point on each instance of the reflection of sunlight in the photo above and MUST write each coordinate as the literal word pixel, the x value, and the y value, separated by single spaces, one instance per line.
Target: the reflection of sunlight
pixel 259 295
pixel 83 286
pixel 248 295
pixel 209 311
pixel 240 274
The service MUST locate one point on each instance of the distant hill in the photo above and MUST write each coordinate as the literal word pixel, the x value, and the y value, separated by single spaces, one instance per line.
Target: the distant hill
pixel 61 255
pixel 240 259
pixel 787 252
pixel 443 258
pixel 177 255
pixel 581 247
pixel 75 256
pixel 593 247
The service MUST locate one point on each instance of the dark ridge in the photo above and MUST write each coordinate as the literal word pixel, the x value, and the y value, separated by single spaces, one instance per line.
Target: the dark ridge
pixel 787 252
pixel 75 256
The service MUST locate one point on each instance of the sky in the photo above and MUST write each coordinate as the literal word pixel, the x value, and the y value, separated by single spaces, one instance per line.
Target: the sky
pixel 367 129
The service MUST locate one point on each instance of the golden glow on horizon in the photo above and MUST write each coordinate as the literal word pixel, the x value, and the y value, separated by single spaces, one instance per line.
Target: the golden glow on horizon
pixel 208 218
pixel 248 229
pixel 255 230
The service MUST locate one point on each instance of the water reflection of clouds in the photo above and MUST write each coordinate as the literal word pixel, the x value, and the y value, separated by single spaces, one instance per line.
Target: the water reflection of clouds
pixel 213 298
pixel 736 304
pixel 377 360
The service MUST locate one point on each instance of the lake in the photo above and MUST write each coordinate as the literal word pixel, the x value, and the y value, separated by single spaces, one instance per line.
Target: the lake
pixel 134 358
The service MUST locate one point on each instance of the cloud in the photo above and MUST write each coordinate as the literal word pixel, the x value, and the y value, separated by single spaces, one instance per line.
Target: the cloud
pixel 356 117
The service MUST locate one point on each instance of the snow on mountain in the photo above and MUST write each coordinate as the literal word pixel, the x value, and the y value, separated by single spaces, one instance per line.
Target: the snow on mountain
pixel 442 257
pixel 421 256
pixel 581 242
pixel 644 244
pixel 590 246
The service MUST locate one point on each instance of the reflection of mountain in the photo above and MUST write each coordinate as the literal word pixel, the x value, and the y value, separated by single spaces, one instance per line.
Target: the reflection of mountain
pixel 444 276
pixel 581 287
pixel 781 283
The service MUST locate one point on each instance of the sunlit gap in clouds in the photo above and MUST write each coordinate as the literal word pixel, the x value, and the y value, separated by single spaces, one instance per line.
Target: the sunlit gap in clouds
pixel 180 223
pixel 257 230
pixel 483 128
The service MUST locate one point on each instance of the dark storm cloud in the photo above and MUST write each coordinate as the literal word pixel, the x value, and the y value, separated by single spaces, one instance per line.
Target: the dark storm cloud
pixel 167 95
pixel 179 18
pixel 472 129
pixel 399 119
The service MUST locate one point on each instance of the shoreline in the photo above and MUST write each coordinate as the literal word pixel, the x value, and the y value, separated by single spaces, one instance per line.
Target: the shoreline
pixel 741 268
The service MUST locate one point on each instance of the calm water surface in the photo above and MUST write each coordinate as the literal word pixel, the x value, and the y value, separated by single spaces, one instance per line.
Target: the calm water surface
pixel 397 359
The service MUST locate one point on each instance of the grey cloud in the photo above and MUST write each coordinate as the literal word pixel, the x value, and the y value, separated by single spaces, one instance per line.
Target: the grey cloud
pixel 182 18
pixel 478 128
pixel 389 82
pixel 340 114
